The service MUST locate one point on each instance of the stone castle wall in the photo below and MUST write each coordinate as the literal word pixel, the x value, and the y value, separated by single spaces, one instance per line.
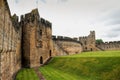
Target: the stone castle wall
pixel 57 50
pixel 66 45
pixel 115 45
pixel 10 43
pixel 29 43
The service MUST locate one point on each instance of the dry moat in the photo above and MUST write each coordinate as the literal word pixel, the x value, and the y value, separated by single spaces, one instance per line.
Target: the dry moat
pixel 29 42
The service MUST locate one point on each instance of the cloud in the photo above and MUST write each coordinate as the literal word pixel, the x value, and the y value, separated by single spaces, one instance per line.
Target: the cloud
pixel 62 1
pixel 112 35
pixel 16 1
pixel 113 22
pixel 113 32
pixel 116 29
pixel 44 1
pixel 111 18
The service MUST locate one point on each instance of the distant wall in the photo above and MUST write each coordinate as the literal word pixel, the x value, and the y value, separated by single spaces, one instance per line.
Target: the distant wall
pixel 115 45
pixel 67 45
pixel 57 50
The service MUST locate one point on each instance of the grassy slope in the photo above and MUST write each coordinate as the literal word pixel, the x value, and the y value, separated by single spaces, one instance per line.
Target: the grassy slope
pixel 27 74
pixel 85 66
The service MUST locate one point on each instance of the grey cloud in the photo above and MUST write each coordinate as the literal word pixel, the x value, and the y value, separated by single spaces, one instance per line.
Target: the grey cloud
pixel 112 18
pixel 114 21
pixel 115 18
pixel 112 35
pixel 43 1
pixel 62 1
pixel 16 1
pixel 116 29
pixel 116 14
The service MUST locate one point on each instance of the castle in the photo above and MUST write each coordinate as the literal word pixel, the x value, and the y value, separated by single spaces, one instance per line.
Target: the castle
pixel 29 42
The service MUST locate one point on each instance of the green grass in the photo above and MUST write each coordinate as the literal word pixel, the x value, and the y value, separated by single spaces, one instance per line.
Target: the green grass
pixel 103 65
pixel 27 74
pixel 97 54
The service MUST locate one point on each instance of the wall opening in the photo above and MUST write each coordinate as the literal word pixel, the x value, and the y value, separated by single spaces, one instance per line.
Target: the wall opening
pixel 41 60
pixel 91 49
pixel 50 53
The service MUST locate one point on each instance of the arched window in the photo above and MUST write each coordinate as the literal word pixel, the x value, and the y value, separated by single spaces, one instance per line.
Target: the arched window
pixel 41 60
pixel 91 49
pixel 85 48
pixel 50 53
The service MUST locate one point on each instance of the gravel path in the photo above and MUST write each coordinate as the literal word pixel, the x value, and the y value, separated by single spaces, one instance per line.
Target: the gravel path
pixel 39 73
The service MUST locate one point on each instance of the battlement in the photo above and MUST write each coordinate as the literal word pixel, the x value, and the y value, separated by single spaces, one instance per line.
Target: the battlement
pixel 92 32
pixel 83 38
pixel 34 16
pixel 112 45
pixel 64 38
pixel 30 17
pixel 15 18
pixel 15 22
pixel 111 42
pixel 61 38
pixel 46 23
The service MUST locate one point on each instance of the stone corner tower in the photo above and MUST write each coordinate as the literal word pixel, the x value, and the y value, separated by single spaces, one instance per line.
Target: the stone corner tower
pixel 36 39
pixel 88 42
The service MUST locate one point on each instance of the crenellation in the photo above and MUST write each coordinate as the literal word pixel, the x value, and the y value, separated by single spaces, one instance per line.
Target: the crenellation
pixel 64 38
pixel 43 22
pixel 112 45
pixel 29 42
pixel 60 37
pixel 30 17
pixel 54 37
pixel 48 24
pixel 15 22
pixel 76 39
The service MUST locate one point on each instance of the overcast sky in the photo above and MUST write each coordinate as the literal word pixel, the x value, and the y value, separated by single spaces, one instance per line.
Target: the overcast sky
pixel 76 18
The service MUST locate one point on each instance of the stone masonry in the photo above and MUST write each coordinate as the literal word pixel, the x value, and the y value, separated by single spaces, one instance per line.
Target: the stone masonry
pixel 113 45
pixel 29 42
pixel 88 42
pixel 36 39
pixel 66 46
pixel 10 43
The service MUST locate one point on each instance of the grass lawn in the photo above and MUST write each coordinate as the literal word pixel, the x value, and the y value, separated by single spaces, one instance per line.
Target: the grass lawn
pixel 27 74
pixel 103 65
pixel 97 54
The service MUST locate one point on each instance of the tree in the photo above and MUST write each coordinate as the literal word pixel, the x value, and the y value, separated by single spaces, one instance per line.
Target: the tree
pixel 98 41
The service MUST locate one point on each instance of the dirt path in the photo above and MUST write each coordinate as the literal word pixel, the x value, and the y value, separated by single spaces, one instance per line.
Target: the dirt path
pixel 39 73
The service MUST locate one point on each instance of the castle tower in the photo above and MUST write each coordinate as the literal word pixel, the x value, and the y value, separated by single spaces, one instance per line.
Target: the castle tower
pixel 36 39
pixel 92 38
pixel 91 41
pixel 88 42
